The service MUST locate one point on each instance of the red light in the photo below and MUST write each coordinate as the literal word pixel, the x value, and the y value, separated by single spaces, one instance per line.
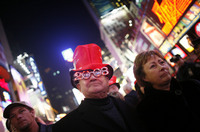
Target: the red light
pixel 4 85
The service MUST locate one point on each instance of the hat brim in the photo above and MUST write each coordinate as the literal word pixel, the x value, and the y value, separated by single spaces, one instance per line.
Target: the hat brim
pixel 117 84
pixel 91 67
pixel 6 113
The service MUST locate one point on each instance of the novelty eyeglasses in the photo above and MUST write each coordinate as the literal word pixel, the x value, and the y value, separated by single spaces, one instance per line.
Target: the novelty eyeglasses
pixel 86 74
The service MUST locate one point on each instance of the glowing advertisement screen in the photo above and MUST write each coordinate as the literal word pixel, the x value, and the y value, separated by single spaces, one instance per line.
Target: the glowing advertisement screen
pixel 166 13
pixel 151 33
pixel 178 50
pixel 185 24
pixel 167 57
pixel 186 43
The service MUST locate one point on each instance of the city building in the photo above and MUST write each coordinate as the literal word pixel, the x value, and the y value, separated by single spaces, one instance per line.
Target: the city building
pixel 171 27
pixel 29 86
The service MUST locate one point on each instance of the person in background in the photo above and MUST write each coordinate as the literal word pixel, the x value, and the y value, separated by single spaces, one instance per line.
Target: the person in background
pixel 98 112
pixel 21 118
pixel 186 70
pixel 131 96
pixel 127 88
pixel 167 105
pixel 114 88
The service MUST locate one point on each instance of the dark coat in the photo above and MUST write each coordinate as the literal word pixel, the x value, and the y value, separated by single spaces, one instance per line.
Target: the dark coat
pixel 87 118
pixel 189 71
pixel 44 128
pixel 176 110
pixel 132 98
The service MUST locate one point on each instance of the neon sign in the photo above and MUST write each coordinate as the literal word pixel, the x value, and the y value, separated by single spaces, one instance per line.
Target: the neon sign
pixel 197 29
pixel 169 12
pixel 4 85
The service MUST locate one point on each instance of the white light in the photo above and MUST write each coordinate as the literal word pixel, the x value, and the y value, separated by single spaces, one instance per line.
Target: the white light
pixel 68 54
pixel 78 95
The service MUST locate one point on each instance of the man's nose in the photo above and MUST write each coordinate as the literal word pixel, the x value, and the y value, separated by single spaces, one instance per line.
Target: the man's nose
pixel 18 115
pixel 161 67
pixel 92 76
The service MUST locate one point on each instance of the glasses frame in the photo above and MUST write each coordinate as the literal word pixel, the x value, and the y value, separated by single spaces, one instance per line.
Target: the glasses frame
pixel 87 74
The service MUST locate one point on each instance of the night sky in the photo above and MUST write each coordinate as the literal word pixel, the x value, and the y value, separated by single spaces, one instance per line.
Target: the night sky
pixel 46 27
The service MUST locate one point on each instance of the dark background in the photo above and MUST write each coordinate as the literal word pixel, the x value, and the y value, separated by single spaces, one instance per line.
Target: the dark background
pixel 46 27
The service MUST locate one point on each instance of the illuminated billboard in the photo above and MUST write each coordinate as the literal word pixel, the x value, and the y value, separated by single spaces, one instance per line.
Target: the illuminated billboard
pixel 177 50
pixel 185 24
pixel 166 13
pixel 186 43
pixel 152 33
pixel 167 57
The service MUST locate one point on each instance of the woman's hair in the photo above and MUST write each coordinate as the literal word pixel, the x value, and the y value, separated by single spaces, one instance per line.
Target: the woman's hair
pixel 139 62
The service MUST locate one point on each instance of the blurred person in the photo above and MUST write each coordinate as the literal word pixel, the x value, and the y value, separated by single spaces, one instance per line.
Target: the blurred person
pixel 98 112
pixel 186 70
pixel 22 118
pixel 127 88
pixel 167 105
pixel 131 96
pixel 114 88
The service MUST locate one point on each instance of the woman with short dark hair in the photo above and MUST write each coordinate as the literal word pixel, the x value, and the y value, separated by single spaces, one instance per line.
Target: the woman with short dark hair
pixel 167 105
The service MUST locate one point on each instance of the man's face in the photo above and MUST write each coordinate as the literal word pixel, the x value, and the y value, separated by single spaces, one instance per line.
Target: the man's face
pixel 156 72
pixel 113 88
pixel 21 118
pixel 94 87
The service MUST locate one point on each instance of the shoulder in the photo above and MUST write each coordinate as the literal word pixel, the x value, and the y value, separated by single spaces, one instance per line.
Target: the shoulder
pixel 45 128
pixel 190 82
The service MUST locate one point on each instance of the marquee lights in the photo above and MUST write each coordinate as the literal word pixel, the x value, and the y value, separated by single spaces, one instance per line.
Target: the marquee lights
pixel 169 12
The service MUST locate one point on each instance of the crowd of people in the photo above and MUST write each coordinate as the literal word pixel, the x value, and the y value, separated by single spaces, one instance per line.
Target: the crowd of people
pixel 160 103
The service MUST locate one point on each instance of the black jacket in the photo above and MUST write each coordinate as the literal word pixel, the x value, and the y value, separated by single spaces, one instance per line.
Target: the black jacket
pixel 176 110
pixel 189 71
pixel 87 117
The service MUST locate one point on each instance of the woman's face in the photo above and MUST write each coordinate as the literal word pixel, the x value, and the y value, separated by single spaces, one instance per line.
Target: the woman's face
pixel 157 72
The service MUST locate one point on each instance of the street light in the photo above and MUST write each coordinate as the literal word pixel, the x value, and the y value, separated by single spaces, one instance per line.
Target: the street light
pixel 68 55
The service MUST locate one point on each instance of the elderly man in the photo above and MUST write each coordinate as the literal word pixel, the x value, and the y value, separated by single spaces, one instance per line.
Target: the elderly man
pixel 22 118
pixel 98 112
pixel 114 88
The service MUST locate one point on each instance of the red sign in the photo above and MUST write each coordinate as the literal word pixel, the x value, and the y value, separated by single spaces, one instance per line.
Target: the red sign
pixel 4 85
pixel 197 29
pixel 169 12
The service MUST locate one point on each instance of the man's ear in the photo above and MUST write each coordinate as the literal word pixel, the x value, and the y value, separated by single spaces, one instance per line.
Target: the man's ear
pixel 78 87
pixel 32 112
